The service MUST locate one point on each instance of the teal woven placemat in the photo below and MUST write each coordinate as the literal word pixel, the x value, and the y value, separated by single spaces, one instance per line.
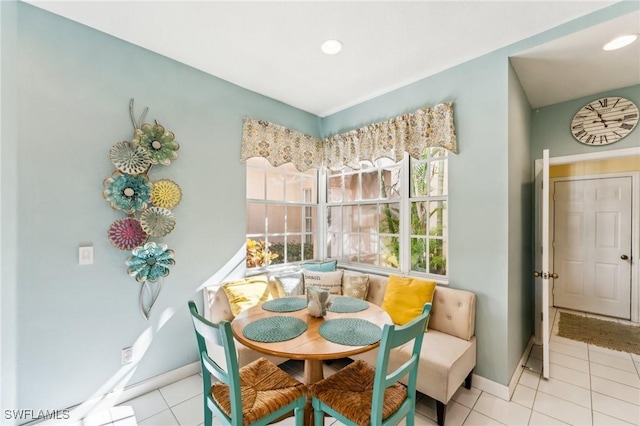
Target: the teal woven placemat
pixel 350 331
pixel 274 329
pixel 345 304
pixel 285 304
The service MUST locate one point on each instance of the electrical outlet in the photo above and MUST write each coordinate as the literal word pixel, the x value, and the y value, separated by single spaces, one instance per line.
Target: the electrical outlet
pixel 127 355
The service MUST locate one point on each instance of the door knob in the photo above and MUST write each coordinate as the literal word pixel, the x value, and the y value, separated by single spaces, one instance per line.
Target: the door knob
pixel 624 257
pixel 536 274
pixel 554 276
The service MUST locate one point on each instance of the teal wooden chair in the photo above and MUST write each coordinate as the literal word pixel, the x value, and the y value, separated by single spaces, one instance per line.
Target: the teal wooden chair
pixel 256 394
pixel 360 394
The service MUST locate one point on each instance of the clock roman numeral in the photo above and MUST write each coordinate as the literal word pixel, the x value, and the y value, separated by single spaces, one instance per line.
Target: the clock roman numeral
pixel 614 105
pixel 581 116
pixel 628 116
pixel 590 108
pixel 577 126
pixel 626 126
pixel 591 139
pixel 580 133
pixel 603 139
pixel 617 134
pixel 603 102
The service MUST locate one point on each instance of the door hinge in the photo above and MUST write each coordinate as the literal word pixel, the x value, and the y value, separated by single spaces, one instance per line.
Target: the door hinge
pixel 541 317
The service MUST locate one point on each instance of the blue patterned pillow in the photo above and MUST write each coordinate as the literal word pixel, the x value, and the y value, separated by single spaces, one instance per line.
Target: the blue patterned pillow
pixel 329 266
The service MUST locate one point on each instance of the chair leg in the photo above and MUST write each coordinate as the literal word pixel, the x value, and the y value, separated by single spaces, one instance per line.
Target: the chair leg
pixel 441 411
pixel 467 381
pixel 298 413
pixel 208 416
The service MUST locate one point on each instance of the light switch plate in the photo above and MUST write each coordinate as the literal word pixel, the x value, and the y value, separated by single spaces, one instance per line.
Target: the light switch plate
pixel 85 255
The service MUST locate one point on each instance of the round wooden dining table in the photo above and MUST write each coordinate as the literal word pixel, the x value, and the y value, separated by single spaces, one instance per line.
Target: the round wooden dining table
pixel 310 346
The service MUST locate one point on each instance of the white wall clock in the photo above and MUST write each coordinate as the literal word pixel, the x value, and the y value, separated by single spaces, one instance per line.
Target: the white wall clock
pixel 604 121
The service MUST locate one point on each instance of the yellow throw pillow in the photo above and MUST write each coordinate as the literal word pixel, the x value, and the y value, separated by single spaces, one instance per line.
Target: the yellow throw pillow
pixel 405 297
pixel 247 292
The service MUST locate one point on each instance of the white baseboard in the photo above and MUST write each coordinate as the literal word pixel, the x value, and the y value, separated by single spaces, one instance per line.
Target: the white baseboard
pixel 97 404
pixel 497 389
pixel 159 381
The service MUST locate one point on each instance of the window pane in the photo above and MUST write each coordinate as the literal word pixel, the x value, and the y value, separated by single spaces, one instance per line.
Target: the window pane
pixel 334 219
pixel 437 218
pixel 309 244
pixel 438 178
pixel 309 189
pixel 293 188
pixel 255 183
pixel 389 252
pixel 256 251
pixel 334 189
pixel 350 187
pixel 368 220
pixel 350 223
pixel 419 218
pixel 294 219
pixel 419 254
pixel 350 247
pixel 391 183
pixel 334 246
pixel 419 178
pixel 370 185
pixel 294 248
pixel 369 249
pixel 275 186
pixel 389 218
pixel 437 257
pixel 276 250
pixel 255 219
pixel 275 219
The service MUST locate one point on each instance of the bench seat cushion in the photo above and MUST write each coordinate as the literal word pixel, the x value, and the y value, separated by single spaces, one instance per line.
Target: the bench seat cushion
pixel 445 362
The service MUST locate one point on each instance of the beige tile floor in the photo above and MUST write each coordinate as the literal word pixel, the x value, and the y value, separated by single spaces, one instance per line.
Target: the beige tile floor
pixel 589 386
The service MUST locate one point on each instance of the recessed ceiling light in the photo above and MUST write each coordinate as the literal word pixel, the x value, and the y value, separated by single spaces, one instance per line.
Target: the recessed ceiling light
pixel 331 47
pixel 620 42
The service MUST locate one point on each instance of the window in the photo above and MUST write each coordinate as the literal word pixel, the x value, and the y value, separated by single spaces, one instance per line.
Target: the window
pixel 386 216
pixel 282 206
pixel 363 212
pixel 428 213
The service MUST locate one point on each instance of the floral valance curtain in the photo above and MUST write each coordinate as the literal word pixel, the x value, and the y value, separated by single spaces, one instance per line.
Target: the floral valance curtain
pixel 427 127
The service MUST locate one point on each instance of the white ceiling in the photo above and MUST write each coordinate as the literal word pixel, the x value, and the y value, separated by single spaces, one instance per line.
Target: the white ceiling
pixel 273 48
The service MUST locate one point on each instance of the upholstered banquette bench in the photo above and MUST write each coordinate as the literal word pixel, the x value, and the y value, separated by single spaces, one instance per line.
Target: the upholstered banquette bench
pixel 448 354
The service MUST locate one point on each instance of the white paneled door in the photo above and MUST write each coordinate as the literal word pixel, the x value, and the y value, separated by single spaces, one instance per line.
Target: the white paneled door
pixel 592 245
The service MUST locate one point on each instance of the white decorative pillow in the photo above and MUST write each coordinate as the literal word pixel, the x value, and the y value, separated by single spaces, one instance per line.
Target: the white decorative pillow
pixel 355 284
pixel 289 284
pixel 330 281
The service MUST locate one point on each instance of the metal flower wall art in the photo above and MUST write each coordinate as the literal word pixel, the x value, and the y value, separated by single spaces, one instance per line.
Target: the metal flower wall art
pixel 147 204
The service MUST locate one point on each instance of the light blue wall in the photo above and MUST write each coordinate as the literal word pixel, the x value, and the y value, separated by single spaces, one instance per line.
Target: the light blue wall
pixel 551 125
pixel 478 191
pixel 72 96
pixel 8 205
pixel 520 280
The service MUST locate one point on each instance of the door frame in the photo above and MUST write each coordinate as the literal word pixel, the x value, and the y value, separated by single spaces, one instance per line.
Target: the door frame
pixel 635 213
pixel 635 220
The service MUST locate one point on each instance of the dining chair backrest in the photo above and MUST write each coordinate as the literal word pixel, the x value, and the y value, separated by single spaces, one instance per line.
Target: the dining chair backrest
pixel 392 337
pixel 221 335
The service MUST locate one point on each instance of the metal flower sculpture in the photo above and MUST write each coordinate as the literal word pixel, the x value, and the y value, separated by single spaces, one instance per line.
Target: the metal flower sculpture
pixel 129 193
pixel 147 206
pixel 147 264
pixel 150 262
pixel 160 143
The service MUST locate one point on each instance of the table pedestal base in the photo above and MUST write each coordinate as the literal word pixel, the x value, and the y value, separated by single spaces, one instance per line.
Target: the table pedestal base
pixel 313 373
